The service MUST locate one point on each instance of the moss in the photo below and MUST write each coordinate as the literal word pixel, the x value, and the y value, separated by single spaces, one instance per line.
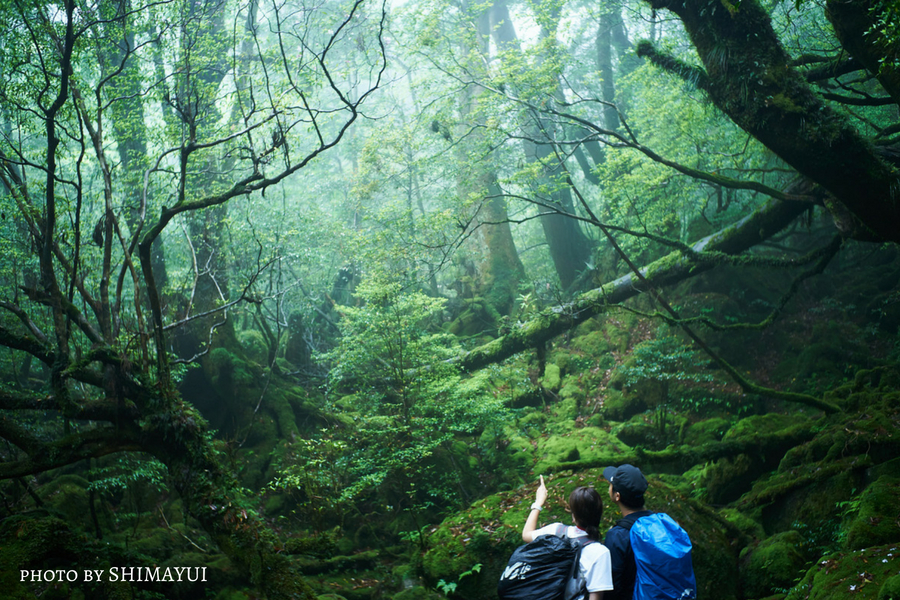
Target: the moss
pixel 352 585
pixel 227 372
pixel 551 379
pixel 572 390
pixel 279 403
pixel 891 589
pixel 158 543
pixel 593 344
pixel 727 479
pixel 233 594
pixel 708 430
pixel 646 431
pixel 417 593
pixel 618 330
pixel 67 495
pixel 772 564
pixel 767 423
pixel 618 406
pixel 579 444
pixel 858 574
pixel 874 518
pixel 532 419
pixel 746 525
pixel 255 346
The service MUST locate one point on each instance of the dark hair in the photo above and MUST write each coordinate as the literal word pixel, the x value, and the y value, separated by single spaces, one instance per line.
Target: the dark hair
pixel 587 508
pixel 633 502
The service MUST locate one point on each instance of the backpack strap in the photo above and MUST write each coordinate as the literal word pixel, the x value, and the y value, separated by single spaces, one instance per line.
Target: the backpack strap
pixel 581 541
pixel 628 522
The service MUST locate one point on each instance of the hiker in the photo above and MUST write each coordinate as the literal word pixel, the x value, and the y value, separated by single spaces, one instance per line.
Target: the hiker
pixel 594 575
pixel 626 489
pixel 650 552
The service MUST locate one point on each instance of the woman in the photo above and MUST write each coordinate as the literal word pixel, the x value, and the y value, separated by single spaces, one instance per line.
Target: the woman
pixel 594 568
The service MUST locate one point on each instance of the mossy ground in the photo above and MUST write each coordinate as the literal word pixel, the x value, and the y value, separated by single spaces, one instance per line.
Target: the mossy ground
pixel 857 574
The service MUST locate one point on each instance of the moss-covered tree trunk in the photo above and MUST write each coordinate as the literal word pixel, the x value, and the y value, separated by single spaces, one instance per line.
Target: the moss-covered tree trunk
pixel 502 270
pixel 748 75
pixel 179 438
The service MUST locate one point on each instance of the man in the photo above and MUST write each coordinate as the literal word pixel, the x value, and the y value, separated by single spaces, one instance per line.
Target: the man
pixel 626 488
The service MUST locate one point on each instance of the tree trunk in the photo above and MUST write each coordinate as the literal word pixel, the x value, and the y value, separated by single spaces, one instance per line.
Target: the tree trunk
pixel 859 27
pixel 209 495
pixel 570 248
pixel 502 270
pixel 750 78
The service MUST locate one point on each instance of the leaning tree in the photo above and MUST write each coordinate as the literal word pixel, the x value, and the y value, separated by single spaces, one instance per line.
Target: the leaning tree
pixel 121 121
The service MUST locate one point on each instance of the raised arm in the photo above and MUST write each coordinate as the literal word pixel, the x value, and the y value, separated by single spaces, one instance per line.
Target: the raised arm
pixel 531 522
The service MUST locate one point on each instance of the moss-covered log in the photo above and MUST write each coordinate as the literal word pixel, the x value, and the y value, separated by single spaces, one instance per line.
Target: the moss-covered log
pixel 746 233
pixel 677 459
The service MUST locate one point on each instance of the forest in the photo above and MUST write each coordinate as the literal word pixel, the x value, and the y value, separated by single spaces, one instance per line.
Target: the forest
pixel 300 298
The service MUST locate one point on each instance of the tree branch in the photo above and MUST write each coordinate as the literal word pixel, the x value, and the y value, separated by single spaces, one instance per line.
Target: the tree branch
pixel 65 451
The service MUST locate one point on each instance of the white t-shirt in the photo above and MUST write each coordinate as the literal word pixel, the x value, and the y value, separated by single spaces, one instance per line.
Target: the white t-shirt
pixel 594 566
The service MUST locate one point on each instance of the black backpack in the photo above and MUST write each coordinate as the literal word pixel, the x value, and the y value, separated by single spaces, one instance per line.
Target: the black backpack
pixel 540 570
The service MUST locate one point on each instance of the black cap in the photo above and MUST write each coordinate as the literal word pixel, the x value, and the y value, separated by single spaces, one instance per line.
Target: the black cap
pixel 627 480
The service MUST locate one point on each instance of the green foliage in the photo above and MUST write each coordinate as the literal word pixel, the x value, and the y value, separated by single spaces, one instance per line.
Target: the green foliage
pixel 664 359
pixel 395 443
pixel 450 587
pixel 668 366
pixel 126 471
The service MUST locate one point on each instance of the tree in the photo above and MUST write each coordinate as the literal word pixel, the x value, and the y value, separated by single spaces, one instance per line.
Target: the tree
pixel 776 89
pixel 751 77
pixel 94 317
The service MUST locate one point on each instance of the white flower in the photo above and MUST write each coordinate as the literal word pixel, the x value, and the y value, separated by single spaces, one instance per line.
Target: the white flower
pixel 852 588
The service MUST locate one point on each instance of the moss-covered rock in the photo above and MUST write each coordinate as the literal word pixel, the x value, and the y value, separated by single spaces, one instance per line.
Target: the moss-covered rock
pixel 68 495
pixel 576 444
pixel 891 589
pixel 767 423
pixel 858 574
pixel 619 406
pixel 874 515
pixel 751 528
pixel 707 430
pixel 727 479
pixel 38 541
pixel 551 379
pixel 774 564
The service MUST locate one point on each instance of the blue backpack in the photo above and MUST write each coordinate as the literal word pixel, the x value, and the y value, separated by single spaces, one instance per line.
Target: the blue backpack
pixel 662 555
